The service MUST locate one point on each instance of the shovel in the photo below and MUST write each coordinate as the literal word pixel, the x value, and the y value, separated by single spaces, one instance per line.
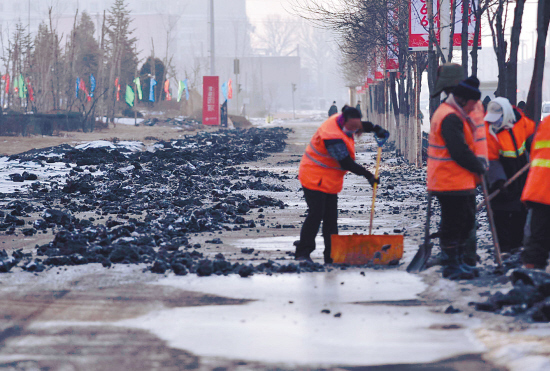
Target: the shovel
pixel 425 250
pixel 508 182
pixel 359 249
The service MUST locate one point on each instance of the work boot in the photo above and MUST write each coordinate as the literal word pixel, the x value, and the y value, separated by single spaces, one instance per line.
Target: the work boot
pixel 466 263
pixel 452 268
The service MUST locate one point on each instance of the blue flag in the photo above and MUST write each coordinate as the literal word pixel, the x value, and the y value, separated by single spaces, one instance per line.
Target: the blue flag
pixel 225 90
pixel 77 86
pixel 186 89
pixel 152 90
pixel 92 85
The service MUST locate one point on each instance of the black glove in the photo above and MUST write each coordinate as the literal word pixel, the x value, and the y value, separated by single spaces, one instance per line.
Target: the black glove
pixel 499 184
pixel 372 180
pixel 381 133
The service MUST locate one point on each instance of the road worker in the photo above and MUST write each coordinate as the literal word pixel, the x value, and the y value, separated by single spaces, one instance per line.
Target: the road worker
pixel 510 133
pixel 328 157
pixel 536 195
pixel 453 172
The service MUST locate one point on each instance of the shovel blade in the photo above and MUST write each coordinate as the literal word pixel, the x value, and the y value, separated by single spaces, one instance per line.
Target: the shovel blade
pixel 418 263
pixel 360 249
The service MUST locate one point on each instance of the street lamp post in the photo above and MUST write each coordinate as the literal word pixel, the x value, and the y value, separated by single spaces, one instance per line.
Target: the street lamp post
pixel 293 107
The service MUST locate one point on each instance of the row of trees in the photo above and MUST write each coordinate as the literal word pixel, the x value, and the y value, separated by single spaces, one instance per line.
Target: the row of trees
pixel 50 65
pixel 367 27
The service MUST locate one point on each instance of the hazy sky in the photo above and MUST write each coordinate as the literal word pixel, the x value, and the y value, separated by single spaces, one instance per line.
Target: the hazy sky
pixel 258 9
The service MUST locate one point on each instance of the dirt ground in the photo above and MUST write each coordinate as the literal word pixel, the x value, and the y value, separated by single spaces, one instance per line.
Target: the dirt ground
pixel 145 134
pixel 63 318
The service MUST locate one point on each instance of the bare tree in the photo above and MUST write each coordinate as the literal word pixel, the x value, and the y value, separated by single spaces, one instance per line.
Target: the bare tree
pixel 279 36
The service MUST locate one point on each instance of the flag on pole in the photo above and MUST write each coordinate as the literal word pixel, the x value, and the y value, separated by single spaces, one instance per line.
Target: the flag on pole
pixel 230 89
pixel 130 96
pixel 186 85
pixel 92 85
pixel 181 87
pixel 152 89
pixel 6 78
pixel 167 90
pixel 77 87
pixel 225 90
pixel 117 86
pixel 31 90
pixel 138 88
pixel 22 87
pixel 84 89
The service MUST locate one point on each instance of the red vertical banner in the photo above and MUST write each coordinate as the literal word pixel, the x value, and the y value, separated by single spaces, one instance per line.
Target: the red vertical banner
pixel 211 100
pixel 457 37
pixel 419 24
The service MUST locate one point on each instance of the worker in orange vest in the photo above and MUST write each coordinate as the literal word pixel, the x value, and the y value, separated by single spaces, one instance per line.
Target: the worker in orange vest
pixel 328 157
pixel 536 196
pixel 454 168
pixel 510 133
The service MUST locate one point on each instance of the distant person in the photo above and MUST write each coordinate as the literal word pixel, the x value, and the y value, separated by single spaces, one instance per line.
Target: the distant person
pixel 486 101
pixel 521 106
pixel 358 107
pixel 328 157
pixel 333 109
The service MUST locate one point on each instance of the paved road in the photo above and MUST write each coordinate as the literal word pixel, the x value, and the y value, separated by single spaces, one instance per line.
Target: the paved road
pixel 122 318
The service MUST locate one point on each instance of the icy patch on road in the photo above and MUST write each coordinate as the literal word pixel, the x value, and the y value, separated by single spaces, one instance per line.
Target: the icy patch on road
pixel 46 172
pixel 286 324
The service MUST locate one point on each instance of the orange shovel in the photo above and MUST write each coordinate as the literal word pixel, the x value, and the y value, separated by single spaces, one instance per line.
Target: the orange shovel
pixel 359 249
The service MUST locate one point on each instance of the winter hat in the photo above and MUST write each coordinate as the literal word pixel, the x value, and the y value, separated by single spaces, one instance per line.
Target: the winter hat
pixel 500 115
pixel 449 75
pixel 468 89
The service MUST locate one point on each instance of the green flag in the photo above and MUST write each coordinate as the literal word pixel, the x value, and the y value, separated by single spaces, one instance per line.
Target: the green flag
pixel 138 86
pixel 130 96
pixel 21 86
pixel 181 88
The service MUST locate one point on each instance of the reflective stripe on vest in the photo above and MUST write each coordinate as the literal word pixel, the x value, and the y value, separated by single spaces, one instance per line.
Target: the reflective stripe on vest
pixel 542 144
pixel 540 162
pixel 512 154
pixel 321 164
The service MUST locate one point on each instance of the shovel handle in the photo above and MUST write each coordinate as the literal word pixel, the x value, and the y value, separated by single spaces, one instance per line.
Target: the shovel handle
pixel 375 186
pixel 491 218
pixel 508 182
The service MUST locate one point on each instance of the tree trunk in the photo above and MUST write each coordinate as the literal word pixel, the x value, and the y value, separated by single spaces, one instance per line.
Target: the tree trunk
pixel 479 11
pixel 500 50
pixel 432 59
pixel 464 34
pixel 512 65
pixel 534 98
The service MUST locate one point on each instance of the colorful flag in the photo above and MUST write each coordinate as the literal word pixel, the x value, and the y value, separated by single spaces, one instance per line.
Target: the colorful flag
pixel 186 85
pixel 83 88
pixel 224 90
pixel 181 88
pixel 77 86
pixel 22 87
pixel 117 86
pixel 138 88
pixel 130 96
pixel 167 90
pixel 152 90
pixel 6 78
pixel 31 90
pixel 230 89
pixel 92 85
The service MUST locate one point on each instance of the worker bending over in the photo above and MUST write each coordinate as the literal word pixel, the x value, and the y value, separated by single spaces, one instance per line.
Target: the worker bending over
pixel 328 157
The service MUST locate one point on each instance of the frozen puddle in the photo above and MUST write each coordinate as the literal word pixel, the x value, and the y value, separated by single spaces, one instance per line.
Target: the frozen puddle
pixel 285 323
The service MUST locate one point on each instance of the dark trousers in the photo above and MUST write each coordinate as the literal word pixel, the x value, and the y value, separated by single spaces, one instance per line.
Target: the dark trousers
pixel 321 207
pixel 458 218
pixel 509 226
pixel 537 244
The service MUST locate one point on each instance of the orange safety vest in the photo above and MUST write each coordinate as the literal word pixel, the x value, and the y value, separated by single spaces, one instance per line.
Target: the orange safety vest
pixel 318 170
pixel 537 187
pixel 503 145
pixel 444 174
